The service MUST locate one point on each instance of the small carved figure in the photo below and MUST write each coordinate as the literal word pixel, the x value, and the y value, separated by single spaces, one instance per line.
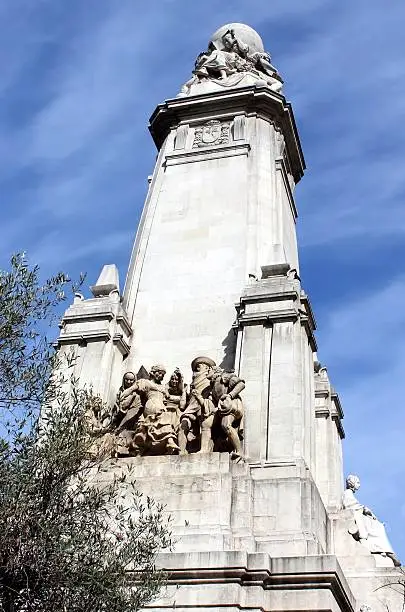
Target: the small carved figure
pixel 126 412
pixel 99 420
pixel 260 61
pixel 197 417
pixel 176 397
pixel 369 530
pixel 226 389
pixel 155 433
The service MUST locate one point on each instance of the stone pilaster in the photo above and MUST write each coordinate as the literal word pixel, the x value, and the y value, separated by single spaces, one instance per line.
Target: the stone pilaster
pixel 329 433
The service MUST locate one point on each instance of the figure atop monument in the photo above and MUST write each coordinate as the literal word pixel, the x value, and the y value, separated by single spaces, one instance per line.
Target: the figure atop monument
pixel 235 57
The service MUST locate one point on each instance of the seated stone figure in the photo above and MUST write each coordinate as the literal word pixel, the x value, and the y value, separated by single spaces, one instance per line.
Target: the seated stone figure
pixel 369 530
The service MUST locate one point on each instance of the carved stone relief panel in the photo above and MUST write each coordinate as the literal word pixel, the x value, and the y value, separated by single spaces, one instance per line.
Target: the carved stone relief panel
pixel 151 417
pixel 213 132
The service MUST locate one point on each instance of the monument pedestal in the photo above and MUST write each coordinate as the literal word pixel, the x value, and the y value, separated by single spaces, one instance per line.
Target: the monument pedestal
pixel 218 504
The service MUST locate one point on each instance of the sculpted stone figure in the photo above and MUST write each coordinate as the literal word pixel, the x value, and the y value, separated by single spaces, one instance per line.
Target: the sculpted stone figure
pixel 369 530
pixel 228 55
pixel 176 397
pixel 217 63
pixel 155 432
pixel 197 418
pixel 226 389
pixel 126 412
pixel 99 420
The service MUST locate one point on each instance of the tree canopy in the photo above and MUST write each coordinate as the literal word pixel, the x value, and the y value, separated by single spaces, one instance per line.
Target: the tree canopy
pixel 76 535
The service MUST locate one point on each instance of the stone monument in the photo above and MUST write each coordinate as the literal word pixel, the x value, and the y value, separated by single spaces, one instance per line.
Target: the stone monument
pixel 239 432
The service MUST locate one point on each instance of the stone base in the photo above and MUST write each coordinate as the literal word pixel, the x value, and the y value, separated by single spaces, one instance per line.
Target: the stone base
pixel 256 536
pixel 218 505
pixel 234 581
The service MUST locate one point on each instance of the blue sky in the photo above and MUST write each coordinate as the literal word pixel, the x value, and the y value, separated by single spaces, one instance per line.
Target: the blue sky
pixel 78 82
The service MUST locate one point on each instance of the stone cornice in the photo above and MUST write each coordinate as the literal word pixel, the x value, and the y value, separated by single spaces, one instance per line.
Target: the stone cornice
pixel 251 100
pixel 87 315
pixel 259 570
pixel 120 343
pixel 337 414
pixel 124 323
pixel 266 317
pixel 84 337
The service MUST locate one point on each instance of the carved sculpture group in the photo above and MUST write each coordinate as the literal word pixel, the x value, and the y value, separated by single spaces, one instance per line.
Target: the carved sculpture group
pixel 153 418
pixel 230 57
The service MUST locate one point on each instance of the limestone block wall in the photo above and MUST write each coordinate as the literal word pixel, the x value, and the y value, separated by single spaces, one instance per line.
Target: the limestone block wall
pixel 217 504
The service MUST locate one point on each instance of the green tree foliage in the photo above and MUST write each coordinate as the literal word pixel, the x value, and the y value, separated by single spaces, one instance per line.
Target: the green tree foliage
pixel 75 534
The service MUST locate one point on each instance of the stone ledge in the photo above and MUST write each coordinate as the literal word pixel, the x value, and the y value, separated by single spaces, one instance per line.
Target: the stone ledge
pixel 318 572
pixel 206 153
pixel 195 464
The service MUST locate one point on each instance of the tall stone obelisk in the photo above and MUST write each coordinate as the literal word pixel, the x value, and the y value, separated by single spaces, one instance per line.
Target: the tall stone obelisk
pixel 214 281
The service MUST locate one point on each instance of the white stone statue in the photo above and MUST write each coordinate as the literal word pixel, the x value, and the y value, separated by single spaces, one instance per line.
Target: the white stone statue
pixel 369 530
pixel 235 58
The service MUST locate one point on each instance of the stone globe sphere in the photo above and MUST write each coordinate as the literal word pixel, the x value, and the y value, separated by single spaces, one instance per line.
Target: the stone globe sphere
pixel 246 34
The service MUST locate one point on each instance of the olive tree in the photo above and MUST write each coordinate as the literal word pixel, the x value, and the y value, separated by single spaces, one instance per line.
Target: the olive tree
pixel 74 536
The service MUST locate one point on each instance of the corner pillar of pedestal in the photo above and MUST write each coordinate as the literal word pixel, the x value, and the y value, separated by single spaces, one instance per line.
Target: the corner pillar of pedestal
pixel 275 349
pixel 275 354
pixel 329 433
pixel 96 333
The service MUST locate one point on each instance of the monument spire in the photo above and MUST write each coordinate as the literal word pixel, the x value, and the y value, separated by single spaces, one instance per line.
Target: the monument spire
pixel 220 205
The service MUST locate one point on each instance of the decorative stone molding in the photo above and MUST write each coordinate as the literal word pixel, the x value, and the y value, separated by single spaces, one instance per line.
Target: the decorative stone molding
pixel 286 581
pixel 248 100
pixel 217 151
pixel 239 127
pixel 181 137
